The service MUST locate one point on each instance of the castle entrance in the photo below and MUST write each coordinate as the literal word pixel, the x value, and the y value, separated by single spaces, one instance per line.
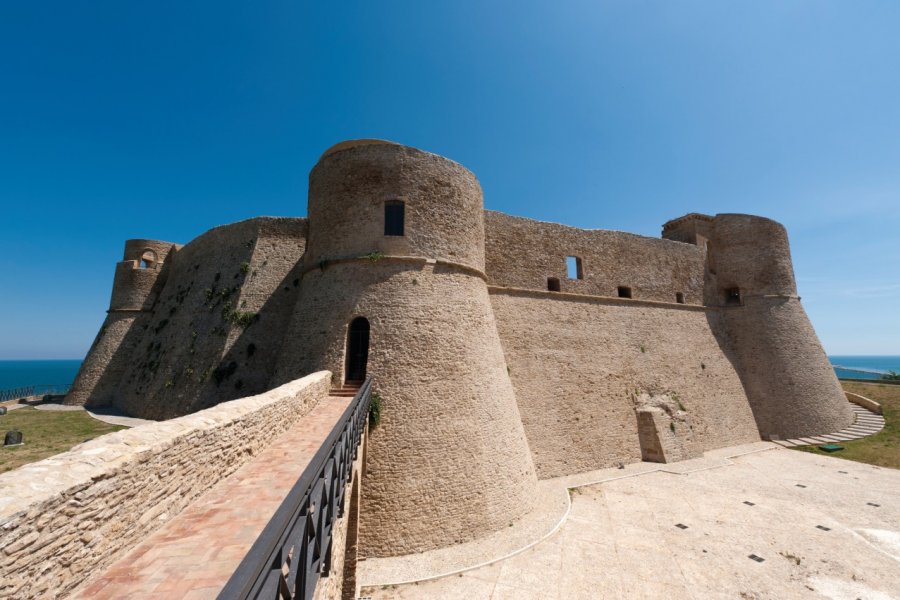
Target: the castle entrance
pixel 357 350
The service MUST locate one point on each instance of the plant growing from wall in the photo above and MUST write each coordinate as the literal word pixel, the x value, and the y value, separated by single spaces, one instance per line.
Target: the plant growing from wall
pixel 375 255
pixel 245 267
pixel 238 317
pixel 375 410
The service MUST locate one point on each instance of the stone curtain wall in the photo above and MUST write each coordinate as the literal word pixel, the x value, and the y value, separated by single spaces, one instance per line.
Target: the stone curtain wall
pixel 216 329
pixel 65 518
pixel 580 364
pixel 522 253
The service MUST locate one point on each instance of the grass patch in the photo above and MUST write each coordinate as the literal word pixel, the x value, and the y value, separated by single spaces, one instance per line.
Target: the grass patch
pixel 883 448
pixel 47 433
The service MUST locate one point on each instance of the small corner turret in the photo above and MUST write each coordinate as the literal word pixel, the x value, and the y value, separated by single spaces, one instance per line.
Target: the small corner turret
pixel 138 273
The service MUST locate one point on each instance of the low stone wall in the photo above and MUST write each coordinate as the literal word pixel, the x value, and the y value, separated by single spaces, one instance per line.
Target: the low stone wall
pixel 866 403
pixel 65 518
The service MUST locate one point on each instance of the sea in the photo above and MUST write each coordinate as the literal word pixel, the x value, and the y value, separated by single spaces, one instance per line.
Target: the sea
pixel 47 375
pixel 864 367
pixel 61 373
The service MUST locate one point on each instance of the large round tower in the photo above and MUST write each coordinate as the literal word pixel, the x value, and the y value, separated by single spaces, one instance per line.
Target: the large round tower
pixel 136 285
pixel 394 287
pixel 789 381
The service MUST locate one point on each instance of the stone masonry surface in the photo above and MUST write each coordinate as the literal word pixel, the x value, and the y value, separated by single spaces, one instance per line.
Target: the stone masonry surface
pixel 578 365
pixel 449 462
pixel 64 518
pixel 490 377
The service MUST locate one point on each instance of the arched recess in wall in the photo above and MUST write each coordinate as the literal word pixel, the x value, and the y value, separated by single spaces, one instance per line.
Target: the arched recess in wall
pixel 148 259
pixel 357 350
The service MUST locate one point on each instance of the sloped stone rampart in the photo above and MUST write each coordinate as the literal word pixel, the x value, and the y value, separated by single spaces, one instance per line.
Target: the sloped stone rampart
pixel 577 362
pixel 214 331
pixel 66 517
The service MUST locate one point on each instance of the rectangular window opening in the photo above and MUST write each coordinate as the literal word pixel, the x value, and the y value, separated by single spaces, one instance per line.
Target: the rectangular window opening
pixel 733 296
pixel 393 218
pixel 679 297
pixel 624 292
pixel 573 267
pixel 553 284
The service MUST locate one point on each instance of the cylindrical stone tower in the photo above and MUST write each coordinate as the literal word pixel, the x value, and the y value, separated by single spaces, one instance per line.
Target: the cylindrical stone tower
pixel 396 247
pixel 789 381
pixel 135 288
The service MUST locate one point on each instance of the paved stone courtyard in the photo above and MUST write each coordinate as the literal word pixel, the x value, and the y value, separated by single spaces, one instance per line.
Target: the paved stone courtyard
pixel 823 528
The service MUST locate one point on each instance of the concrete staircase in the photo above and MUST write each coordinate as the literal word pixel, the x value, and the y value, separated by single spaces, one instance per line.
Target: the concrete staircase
pixel 866 423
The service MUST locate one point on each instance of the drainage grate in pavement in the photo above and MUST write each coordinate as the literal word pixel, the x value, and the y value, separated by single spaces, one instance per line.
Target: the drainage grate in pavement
pixel 756 558
pixel 801 485
pixel 873 504
pixel 748 503
pixel 681 526
pixel 823 528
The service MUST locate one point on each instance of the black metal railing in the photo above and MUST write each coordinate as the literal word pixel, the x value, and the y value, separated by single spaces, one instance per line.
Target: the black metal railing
pixel 294 549
pixel 28 391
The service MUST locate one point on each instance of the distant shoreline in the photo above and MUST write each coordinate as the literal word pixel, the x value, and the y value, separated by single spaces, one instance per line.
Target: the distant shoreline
pixel 16 373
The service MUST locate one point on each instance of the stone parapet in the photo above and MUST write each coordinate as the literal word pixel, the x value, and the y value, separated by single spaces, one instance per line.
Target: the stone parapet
pixel 866 403
pixel 64 518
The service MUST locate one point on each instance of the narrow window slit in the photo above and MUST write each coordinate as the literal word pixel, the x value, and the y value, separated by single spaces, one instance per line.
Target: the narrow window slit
pixel 573 267
pixel 679 297
pixel 394 218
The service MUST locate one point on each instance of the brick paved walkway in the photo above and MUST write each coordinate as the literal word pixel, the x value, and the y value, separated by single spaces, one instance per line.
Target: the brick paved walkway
pixel 193 555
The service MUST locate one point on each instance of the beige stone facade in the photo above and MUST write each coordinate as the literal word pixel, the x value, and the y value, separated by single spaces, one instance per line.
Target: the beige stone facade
pixel 495 366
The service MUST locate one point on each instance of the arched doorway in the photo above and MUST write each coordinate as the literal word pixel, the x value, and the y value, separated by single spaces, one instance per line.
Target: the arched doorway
pixel 357 350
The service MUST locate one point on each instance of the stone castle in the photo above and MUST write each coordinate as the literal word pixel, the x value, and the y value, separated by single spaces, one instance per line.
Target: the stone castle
pixel 497 365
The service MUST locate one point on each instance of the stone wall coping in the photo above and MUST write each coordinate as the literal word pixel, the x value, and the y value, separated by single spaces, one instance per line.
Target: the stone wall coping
pixel 866 403
pixel 30 485
pixel 512 291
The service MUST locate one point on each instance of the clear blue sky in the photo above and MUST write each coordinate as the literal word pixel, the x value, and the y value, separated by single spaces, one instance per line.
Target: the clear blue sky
pixel 162 119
